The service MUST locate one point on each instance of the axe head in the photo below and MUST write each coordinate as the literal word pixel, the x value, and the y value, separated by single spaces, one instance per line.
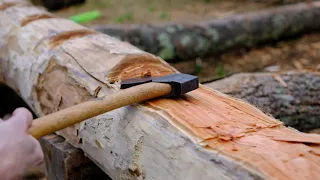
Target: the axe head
pixel 180 83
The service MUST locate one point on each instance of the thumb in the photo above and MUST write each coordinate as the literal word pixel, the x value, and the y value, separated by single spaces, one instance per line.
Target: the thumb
pixel 21 118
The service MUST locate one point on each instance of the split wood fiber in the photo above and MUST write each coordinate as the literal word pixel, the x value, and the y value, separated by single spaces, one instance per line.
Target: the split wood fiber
pixel 203 135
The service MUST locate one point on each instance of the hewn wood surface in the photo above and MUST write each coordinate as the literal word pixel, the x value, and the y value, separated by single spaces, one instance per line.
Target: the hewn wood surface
pixel 54 63
pixel 200 39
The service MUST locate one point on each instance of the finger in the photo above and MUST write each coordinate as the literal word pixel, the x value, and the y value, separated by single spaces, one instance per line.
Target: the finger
pixel 21 118
pixel 33 154
pixel 37 155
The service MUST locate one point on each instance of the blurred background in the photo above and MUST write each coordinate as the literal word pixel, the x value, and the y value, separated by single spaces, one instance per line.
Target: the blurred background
pixel 210 38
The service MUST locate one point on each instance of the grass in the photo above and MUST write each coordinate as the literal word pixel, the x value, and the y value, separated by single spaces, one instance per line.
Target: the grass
pixel 151 9
pixel 164 15
pixel 221 72
pixel 124 17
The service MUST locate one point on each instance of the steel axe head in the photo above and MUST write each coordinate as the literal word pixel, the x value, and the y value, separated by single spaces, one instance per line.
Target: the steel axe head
pixel 180 83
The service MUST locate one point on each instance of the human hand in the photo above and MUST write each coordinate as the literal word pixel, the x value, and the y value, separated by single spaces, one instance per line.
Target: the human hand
pixel 19 151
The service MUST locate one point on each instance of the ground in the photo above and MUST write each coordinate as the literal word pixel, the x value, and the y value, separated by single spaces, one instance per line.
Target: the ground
pixel 153 11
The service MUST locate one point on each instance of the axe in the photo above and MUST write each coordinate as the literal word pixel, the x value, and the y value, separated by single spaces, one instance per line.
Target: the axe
pixel 133 91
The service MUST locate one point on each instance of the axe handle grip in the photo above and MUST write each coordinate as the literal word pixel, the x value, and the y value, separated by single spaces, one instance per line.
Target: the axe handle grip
pixel 67 117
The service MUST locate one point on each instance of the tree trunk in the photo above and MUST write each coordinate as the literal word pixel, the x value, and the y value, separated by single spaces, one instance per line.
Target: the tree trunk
pixel 283 1
pixel 55 63
pixel 292 97
pixel 184 41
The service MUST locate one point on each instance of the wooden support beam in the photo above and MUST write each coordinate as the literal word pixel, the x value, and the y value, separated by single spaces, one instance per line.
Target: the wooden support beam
pixel 65 162
pixel 54 63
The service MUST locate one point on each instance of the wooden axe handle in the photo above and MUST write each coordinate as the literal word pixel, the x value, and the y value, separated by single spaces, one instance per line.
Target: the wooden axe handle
pixel 64 118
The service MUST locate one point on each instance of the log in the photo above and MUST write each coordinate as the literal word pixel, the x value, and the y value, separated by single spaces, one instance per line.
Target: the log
pixel 56 63
pixel 259 89
pixel 200 39
pixel 292 97
pixel 280 2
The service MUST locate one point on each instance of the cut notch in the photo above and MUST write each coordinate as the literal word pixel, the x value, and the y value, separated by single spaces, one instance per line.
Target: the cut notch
pixel 64 36
pixel 32 18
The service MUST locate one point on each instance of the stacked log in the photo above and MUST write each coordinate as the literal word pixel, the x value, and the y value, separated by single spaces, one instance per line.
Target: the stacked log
pixel 207 38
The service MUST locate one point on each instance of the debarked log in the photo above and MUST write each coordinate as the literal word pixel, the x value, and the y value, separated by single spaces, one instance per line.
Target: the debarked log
pixel 55 63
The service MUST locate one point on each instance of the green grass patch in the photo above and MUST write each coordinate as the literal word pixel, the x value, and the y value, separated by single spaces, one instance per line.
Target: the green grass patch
pixel 124 17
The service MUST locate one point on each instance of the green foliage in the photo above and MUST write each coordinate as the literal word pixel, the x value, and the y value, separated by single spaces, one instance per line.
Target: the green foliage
pixel 85 17
pixel 164 15
pixel 151 9
pixel 221 72
pixel 124 17
pixel 198 66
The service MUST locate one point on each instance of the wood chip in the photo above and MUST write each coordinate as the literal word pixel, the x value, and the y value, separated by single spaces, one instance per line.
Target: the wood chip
pixel 298 65
pixel 281 81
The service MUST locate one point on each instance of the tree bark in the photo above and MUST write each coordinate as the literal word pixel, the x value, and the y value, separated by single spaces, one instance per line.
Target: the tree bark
pixel 55 63
pixel 283 1
pixel 292 97
pixel 200 39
